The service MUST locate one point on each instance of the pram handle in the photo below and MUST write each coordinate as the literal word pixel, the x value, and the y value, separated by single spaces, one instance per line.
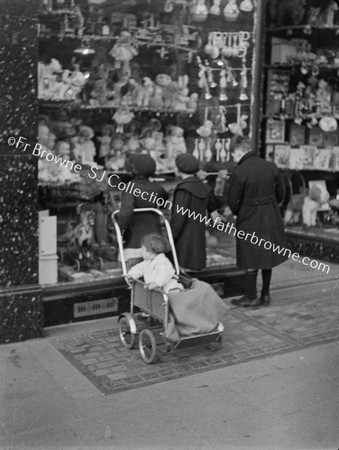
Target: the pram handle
pixel 168 231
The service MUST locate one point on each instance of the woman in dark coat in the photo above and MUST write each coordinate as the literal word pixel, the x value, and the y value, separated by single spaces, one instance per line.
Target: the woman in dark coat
pixel 135 226
pixel 256 189
pixel 193 196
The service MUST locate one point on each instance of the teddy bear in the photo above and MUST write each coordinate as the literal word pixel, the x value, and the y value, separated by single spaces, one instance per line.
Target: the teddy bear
pixel 141 92
pixel 169 88
pixel 156 100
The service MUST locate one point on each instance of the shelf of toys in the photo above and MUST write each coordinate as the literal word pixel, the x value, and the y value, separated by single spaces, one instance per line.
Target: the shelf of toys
pixel 302 103
pixel 162 77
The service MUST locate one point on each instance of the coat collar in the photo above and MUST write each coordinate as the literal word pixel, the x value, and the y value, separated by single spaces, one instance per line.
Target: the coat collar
pixel 246 156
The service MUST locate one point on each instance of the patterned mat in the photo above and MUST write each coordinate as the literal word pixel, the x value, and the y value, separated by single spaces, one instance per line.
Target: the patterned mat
pixel 303 316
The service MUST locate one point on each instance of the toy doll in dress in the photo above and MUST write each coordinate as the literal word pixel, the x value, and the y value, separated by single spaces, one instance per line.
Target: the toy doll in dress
pixel 84 150
pixel 156 269
pixel 115 160
pixel 105 143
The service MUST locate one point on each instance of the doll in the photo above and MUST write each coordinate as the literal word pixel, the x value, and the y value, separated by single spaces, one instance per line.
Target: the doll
pixel 175 141
pixel 123 51
pixel 84 150
pixel 105 141
pixel 116 158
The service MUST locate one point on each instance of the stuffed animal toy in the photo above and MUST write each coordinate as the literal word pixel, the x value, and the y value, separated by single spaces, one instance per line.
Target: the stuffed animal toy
pixel 142 92
pixel 169 88
pixel 156 100
pixel 313 201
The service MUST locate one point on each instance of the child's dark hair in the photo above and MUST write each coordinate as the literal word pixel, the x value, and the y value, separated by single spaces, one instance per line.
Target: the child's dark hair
pixel 155 243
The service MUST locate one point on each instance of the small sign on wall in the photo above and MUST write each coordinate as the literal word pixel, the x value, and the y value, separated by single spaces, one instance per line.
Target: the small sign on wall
pixel 96 307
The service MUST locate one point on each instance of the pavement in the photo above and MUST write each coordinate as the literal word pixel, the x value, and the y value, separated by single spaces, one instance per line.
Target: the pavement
pixel 273 384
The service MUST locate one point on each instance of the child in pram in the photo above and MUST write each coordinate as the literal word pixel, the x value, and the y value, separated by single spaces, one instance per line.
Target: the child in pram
pixel 193 311
pixel 156 268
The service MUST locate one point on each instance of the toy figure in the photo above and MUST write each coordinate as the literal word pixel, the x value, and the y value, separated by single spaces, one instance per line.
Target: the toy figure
pixel 116 159
pixel 199 11
pixel 215 9
pixel 231 11
pixel 246 6
pixel 122 117
pixel 123 51
pixel 84 150
pixel 175 142
pixel 105 142
pixel 312 203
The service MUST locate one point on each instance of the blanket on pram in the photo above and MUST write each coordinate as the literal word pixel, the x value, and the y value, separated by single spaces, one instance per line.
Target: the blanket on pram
pixel 196 310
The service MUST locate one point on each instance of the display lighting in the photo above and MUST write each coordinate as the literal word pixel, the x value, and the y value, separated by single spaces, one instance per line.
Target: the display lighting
pixel 85 49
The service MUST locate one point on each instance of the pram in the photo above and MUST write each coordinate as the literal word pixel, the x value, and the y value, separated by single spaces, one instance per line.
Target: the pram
pixel 159 306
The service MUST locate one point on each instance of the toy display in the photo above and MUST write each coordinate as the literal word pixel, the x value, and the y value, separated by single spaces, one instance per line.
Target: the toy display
pixel 159 80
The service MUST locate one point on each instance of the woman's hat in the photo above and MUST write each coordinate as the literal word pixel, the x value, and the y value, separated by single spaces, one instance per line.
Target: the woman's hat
pixel 143 165
pixel 187 163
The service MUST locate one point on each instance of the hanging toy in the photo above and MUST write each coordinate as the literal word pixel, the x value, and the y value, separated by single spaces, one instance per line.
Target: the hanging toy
pixel 196 149
pixel 168 8
pixel 199 11
pixel 231 77
pixel 202 83
pixel 208 153
pixel 223 154
pixel 201 149
pixel 215 9
pixel 235 128
pixel 243 83
pixel 221 120
pixel 246 6
pixel 231 11
pixel 122 117
pixel 227 147
pixel 217 147
pixel 223 86
pixel 210 78
pixel 123 51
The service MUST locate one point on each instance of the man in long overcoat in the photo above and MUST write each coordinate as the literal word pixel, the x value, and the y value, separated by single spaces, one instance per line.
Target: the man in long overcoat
pixel 255 192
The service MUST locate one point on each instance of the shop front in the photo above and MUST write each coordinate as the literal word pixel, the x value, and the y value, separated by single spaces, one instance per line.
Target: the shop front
pixel 86 84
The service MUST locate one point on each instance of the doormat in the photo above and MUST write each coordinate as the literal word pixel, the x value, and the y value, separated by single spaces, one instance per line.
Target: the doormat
pixel 305 318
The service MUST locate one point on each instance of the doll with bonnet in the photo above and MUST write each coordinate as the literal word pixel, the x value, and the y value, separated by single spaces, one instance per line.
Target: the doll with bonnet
pixel 84 150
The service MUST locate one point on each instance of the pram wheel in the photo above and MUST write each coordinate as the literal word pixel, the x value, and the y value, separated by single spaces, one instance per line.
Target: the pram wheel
pixel 127 330
pixel 147 346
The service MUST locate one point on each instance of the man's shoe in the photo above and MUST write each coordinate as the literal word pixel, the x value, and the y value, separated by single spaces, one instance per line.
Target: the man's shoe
pixel 265 300
pixel 243 301
pixel 255 304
